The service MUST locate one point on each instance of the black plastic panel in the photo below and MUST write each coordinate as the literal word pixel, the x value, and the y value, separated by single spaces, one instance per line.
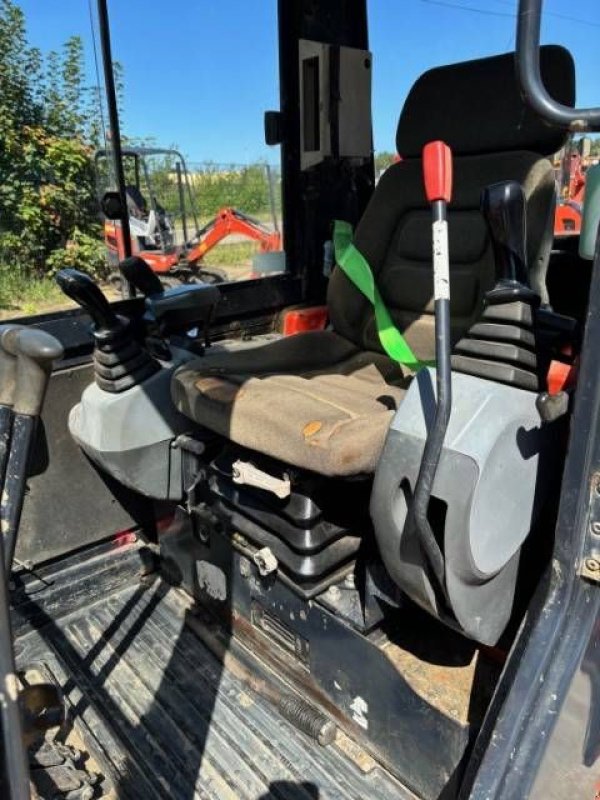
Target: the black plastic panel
pixel 71 504
pixel 312 536
pixel 314 531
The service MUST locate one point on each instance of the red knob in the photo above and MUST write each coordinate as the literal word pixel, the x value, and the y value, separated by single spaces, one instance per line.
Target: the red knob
pixel 437 171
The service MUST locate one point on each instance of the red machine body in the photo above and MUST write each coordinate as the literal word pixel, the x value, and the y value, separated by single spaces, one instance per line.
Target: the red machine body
pixel 153 231
pixel 567 218
pixel 227 222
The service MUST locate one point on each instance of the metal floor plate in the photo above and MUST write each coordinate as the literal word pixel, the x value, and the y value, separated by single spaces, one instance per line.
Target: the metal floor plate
pixel 163 718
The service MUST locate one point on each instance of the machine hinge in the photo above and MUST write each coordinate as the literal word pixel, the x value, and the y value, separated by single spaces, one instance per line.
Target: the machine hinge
pixel 589 564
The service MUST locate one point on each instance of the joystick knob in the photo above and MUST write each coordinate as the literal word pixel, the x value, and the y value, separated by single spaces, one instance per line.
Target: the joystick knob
pixel 139 273
pixel 120 363
pixel 503 344
pixel 82 289
pixel 503 207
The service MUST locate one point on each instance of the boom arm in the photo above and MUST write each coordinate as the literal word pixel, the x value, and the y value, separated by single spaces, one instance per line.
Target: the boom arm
pixel 229 222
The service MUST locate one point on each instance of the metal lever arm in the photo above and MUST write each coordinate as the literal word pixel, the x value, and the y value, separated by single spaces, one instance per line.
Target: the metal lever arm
pixel 437 175
pixel 35 351
pixel 8 380
pixel 8 363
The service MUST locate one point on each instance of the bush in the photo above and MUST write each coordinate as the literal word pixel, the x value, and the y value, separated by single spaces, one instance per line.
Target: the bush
pixel 245 189
pixel 83 252
pixel 22 295
pixel 213 186
pixel 51 210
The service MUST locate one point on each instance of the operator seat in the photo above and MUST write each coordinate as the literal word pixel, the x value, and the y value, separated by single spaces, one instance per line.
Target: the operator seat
pixel 324 400
pixel 136 202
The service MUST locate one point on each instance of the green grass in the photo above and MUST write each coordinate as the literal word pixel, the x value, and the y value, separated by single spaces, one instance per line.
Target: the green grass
pixel 21 296
pixel 231 255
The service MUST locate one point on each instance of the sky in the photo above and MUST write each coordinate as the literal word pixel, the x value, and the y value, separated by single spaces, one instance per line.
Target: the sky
pixel 200 73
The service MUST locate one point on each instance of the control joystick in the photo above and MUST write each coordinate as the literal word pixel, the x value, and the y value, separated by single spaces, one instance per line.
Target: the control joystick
pixel 136 271
pixel 503 208
pixel 119 361
pixel 502 345
pixel 87 294
pixel 173 311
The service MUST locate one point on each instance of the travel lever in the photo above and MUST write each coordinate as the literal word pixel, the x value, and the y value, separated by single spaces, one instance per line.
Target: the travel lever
pixel 437 177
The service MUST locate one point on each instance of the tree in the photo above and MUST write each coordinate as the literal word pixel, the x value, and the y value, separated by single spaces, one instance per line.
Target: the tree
pixel 47 197
pixel 383 160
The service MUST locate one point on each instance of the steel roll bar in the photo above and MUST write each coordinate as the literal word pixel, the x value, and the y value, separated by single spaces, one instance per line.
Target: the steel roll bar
pixel 529 20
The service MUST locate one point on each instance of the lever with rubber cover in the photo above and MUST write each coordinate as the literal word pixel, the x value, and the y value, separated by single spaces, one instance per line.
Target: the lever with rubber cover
pixel 120 363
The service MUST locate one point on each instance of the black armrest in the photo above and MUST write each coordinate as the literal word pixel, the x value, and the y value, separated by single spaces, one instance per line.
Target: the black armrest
pixel 183 299
pixel 183 306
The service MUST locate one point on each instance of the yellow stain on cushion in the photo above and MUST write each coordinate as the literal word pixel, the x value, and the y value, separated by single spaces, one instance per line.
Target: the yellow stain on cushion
pixel 311 428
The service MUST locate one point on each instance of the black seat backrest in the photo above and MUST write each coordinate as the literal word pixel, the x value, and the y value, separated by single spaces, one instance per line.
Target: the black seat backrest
pixel 476 108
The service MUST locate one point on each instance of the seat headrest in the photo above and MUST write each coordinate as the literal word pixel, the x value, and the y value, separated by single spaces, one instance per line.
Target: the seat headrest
pixel 476 107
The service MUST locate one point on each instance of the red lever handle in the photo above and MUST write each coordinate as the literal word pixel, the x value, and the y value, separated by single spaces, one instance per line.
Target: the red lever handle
pixel 437 171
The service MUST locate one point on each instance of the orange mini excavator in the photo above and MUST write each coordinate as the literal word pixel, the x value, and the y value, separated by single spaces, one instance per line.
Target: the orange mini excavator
pixel 155 231
pixel 571 180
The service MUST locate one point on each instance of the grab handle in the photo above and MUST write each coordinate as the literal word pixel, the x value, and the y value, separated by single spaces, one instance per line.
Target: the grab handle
pixel 529 75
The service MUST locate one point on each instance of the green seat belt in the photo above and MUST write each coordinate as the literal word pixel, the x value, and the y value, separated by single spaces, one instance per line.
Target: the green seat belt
pixel 355 266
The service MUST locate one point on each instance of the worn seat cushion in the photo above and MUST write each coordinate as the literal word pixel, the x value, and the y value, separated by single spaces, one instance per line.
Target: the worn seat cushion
pixel 330 415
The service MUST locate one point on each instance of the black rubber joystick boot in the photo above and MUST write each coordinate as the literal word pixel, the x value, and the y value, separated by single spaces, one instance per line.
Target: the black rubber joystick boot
pixel 502 345
pixel 119 361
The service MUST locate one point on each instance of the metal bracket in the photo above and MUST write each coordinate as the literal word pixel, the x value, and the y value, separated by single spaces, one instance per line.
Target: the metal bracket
pixel 265 561
pixel 248 474
pixel 589 564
